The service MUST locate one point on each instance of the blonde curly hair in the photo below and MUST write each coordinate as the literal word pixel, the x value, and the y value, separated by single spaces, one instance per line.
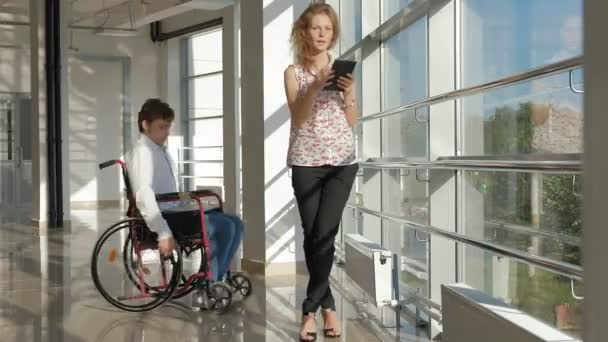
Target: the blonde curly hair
pixel 300 36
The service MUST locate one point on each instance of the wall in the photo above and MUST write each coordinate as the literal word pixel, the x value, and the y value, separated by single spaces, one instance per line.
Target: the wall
pixel 274 237
pixel 596 168
pixel 15 62
pixel 99 68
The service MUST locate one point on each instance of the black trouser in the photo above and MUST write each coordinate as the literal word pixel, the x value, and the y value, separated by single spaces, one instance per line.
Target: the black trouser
pixel 321 193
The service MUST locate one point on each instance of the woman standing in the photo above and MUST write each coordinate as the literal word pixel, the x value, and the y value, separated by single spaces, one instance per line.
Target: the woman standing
pixel 321 155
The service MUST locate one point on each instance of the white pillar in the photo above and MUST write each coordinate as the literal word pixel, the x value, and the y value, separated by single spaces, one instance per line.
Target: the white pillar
pixel 232 139
pixel 273 236
pixel 369 133
pixel 65 111
pixel 596 170
pixel 252 117
pixel 442 76
pixel 39 133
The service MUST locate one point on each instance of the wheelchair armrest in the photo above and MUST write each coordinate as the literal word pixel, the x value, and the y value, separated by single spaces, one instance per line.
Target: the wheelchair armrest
pixel 197 194
pixel 173 196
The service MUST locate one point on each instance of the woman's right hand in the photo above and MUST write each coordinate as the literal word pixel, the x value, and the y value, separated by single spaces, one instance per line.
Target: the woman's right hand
pixel 322 78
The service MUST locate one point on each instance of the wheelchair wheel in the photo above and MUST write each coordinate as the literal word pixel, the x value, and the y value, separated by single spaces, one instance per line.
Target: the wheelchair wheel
pixel 193 261
pixel 241 284
pixel 143 280
pixel 219 298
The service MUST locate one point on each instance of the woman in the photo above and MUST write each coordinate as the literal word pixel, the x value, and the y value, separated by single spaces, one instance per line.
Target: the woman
pixel 321 155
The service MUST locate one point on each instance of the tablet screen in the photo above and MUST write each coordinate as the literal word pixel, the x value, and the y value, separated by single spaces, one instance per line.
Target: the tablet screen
pixel 340 68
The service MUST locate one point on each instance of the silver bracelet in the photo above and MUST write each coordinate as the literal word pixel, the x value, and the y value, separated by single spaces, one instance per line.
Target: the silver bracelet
pixel 350 104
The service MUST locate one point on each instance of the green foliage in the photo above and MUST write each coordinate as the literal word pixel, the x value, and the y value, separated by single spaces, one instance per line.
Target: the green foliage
pixel 508 198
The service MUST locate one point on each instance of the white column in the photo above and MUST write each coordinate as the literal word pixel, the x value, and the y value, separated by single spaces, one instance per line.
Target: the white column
pixel 596 170
pixel 39 133
pixel 252 118
pixel 65 110
pixel 442 76
pixel 230 59
pixel 273 236
pixel 369 133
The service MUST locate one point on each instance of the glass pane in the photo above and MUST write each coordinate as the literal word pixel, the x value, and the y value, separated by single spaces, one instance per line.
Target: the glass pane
pixel 205 96
pixel 412 252
pixel 405 66
pixel 511 36
pixel 368 139
pixel 209 169
pixel 215 184
pixel 207 132
pixel 371 227
pixel 405 194
pixel 15 154
pixel 7 137
pixel 215 153
pixel 205 53
pixel 405 135
pixel 541 294
pixel 535 213
pixel 391 7
pixel 541 116
pixel 350 17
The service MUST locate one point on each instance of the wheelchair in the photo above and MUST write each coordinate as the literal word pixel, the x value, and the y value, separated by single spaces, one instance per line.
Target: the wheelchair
pixel 129 272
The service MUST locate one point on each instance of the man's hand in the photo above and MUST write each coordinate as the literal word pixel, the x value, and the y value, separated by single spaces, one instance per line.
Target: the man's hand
pixel 166 246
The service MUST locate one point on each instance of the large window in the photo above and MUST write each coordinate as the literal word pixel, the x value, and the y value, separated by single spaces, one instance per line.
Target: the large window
pixel 202 157
pixel 537 213
pixel 392 7
pixel 466 44
pixel 350 22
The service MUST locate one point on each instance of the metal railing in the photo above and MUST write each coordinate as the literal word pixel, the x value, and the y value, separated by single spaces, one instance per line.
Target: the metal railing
pixel 555 163
pixel 558 267
pixel 548 70
pixel 182 162
pixel 563 238
pixel 395 24
pixel 560 164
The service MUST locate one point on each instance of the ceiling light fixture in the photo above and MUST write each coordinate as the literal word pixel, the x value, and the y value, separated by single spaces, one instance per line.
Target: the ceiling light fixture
pixel 115 32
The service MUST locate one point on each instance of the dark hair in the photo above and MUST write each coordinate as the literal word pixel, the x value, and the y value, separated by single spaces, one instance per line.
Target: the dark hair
pixel 154 109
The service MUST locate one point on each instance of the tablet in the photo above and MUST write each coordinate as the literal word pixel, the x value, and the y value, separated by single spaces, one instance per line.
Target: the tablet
pixel 340 68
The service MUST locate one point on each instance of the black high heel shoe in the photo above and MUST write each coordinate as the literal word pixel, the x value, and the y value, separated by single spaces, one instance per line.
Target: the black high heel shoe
pixel 312 335
pixel 329 333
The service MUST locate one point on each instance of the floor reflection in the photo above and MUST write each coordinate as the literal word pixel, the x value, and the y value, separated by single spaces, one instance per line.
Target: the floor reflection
pixel 46 294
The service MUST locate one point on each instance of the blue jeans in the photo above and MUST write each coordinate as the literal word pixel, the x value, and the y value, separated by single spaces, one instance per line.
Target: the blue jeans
pixel 225 235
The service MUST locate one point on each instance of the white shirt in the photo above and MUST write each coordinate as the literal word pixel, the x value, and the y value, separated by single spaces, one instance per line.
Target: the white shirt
pixel 151 171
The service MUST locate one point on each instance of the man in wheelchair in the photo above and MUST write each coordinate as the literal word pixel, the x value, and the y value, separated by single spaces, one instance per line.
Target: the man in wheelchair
pixel 152 172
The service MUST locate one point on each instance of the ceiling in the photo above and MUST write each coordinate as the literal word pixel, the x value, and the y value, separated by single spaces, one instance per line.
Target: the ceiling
pixel 114 13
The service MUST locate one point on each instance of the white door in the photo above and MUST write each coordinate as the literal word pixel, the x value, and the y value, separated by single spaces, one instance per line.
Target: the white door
pixel 15 151
pixel 95 128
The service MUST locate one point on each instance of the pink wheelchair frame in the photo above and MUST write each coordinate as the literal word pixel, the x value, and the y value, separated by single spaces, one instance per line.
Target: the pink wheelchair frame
pixel 218 294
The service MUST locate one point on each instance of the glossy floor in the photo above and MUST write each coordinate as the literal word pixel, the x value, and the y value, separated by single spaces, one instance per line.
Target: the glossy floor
pixel 46 294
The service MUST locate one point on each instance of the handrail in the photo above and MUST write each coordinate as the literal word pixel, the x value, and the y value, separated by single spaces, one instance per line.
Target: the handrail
pixel 564 238
pixel 201 177
pixel 395 24
pixel 572 87
pixel 551 69
pixel 405 289
pixel 198 147
pixel 206 161
pixel 559 267
pixel 574 295
pixel 555 163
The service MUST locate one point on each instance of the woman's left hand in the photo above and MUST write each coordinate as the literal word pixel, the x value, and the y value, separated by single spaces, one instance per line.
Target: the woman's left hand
pixel 347 84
